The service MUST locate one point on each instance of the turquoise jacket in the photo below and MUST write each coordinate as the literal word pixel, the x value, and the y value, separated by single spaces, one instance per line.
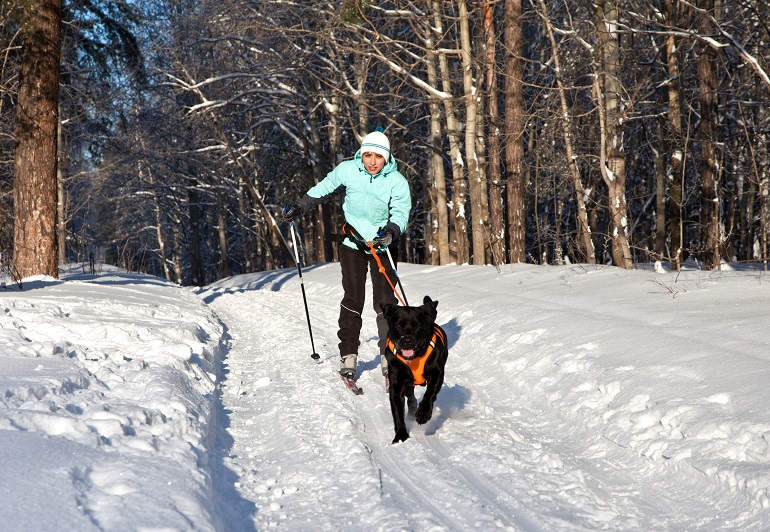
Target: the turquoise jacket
pixel 371 201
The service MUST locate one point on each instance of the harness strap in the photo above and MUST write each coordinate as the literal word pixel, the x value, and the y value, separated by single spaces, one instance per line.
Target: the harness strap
pixel 417 364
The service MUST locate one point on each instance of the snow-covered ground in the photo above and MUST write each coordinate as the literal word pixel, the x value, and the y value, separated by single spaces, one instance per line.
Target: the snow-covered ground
pixel 575 398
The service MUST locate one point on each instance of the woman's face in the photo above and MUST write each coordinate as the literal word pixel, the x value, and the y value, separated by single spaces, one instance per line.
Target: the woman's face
pixel 373 162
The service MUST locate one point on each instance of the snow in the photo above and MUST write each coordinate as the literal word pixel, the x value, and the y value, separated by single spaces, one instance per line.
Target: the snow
pixel 576 397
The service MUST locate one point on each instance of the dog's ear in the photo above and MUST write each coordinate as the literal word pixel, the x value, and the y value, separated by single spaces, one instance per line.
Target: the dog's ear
pixel 388 309
pixel 430 305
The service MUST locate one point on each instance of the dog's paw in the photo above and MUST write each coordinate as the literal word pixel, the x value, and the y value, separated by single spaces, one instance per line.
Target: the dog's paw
pixel 423 414
pixel 401 436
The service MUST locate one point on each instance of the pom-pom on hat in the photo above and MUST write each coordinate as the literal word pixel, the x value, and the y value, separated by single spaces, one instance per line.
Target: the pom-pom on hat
pixel 376 142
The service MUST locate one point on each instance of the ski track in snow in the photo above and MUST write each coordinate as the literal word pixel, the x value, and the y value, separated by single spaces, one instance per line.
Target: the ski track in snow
pixel 495 453
pixel 339 432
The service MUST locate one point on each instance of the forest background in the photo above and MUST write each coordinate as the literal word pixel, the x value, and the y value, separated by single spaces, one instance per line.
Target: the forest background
pixel 164 136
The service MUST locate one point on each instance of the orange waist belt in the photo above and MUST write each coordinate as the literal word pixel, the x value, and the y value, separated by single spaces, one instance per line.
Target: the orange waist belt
pixel 417 364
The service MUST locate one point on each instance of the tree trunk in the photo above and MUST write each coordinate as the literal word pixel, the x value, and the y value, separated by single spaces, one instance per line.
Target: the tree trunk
pixel 247 241
pixel 481 156
pixel 61 197
pixel 584 242
pixel 660 197
pixel 224 257
pixel 197 276
pixel 764 211
pixel 334 142
pixel 145 172
pixel 159 234
pixel 534 174
pixel 177 239
pixel 675 176
pixel 459 185
pixel 323 252
pixel 514 132
pixel 558 213
pixel 612 161
pixel 471 157
pixel 707 97
pixel 35 249
pixel 362 69
pixel 439 222
pixel 497 223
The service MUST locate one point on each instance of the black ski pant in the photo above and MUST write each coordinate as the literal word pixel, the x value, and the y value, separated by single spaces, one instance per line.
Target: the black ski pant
pixel 354 265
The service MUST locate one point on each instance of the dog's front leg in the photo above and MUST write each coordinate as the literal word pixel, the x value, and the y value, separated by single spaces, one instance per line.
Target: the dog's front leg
pixel 425 410
pixel 411 402
pixel 397 411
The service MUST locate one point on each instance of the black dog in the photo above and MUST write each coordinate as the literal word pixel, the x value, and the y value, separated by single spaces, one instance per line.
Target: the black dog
pixel 416 353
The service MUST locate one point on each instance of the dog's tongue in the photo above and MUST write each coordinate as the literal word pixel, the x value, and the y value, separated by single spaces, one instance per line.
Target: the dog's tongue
pixel 407 352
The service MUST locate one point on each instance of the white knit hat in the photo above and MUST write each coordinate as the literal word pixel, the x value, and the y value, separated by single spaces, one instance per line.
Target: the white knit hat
pixel 376 142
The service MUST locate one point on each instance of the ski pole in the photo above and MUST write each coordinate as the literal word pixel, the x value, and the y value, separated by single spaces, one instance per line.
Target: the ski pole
pixel 398 279
pixel 314 355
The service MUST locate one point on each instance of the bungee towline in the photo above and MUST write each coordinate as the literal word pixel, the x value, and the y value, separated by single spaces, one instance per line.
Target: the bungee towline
pixel 351 232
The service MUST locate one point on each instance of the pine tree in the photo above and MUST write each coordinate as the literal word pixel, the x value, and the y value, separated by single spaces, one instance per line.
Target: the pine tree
pixel 35 163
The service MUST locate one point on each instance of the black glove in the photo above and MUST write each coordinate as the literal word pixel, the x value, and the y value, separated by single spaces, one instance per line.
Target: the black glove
pixel 290 213
pixel 384 238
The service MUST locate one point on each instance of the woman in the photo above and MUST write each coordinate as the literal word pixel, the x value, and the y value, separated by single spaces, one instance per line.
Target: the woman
pixel 376 204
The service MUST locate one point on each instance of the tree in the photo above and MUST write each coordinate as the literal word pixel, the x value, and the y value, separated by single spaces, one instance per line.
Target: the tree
pixel 612 162
pixel 35 161
pixel 514 131
pixel 584 242
pixel 707 97
pixel 496 185
pixel 676 165
pixel 475 183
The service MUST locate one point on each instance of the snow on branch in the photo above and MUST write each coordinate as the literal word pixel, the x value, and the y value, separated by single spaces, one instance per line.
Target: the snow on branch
pixel 748 58
pixel 433 91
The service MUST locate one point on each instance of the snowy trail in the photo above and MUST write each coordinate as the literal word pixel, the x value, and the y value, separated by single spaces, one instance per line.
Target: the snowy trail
pixel 326 434
pixel 544 451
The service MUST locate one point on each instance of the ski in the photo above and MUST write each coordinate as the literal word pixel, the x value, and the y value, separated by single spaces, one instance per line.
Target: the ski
pixel 351 385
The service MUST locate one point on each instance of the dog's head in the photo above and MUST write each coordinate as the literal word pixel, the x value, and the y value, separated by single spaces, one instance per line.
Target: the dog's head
pixel 411 328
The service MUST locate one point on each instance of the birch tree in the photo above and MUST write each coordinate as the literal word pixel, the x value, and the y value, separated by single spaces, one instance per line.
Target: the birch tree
pixel 609 98
pixel 439 241
pixel 471 123
pixel 459 185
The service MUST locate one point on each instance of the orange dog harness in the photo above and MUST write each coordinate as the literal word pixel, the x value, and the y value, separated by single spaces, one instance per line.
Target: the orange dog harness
pixel 416 364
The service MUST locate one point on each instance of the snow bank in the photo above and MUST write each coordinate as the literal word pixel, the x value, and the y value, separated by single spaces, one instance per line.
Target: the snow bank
pixel 107 392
